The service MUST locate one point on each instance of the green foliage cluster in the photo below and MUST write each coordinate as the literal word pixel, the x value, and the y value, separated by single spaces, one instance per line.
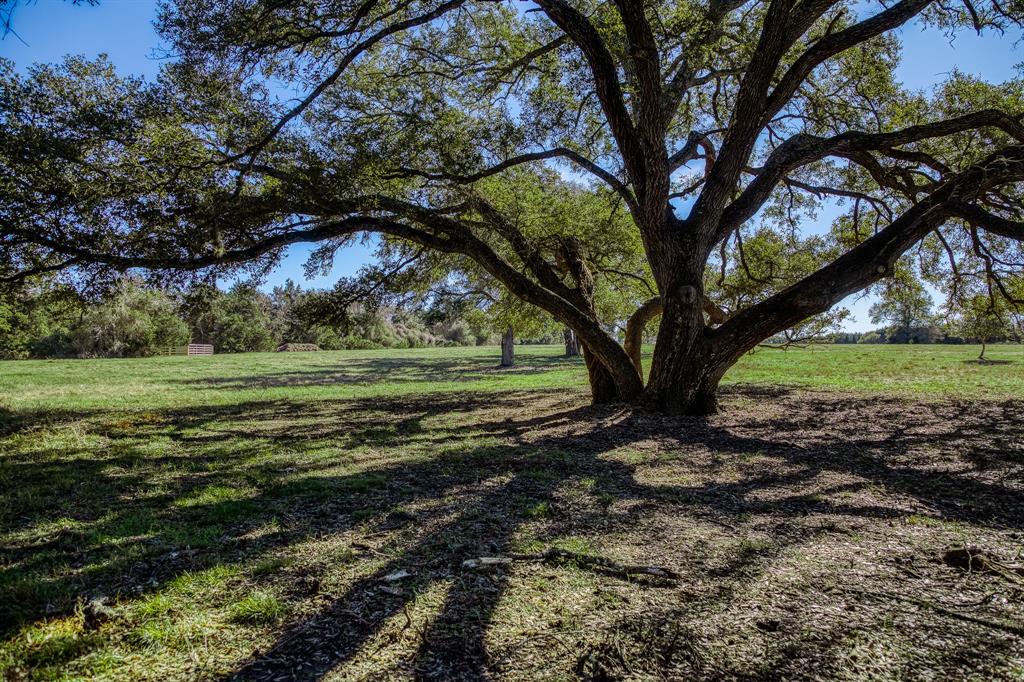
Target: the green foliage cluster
pixel 971 314
pixel 236 321
pixel 375 328
pixel 963 329
pixel 133 319
pixel 36 321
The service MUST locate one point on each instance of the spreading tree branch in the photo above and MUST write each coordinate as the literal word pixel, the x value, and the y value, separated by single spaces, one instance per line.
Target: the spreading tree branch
pixel 870 260
pixel 559 152
pixel 606 81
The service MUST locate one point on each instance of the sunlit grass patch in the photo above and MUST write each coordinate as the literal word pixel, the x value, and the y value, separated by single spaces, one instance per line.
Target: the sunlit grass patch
pixel 270 566
pixel 213 495
pixel 177 631
pixel 45 648
pixel 155 606
pixel 258 608
pixel 199 585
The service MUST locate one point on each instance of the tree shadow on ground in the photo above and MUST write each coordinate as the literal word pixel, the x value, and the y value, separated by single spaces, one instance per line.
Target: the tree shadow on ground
pixel 417 485
pixel 454 646
pixel 995 363
pixel 359 371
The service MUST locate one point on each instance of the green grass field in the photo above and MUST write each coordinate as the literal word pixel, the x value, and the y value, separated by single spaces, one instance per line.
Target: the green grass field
pixel 309 514
pixel 174 382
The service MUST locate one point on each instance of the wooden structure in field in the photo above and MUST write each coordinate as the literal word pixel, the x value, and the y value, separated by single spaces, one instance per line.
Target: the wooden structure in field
pixel 191 349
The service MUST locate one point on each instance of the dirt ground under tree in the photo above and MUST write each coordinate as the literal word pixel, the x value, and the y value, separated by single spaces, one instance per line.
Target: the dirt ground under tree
pixel 807 531
pixel 797 535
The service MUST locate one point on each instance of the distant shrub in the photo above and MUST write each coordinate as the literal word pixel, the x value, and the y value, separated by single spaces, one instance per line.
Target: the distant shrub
pixel 871 337
pixel 241 321
pixel 36 321
pixel 353 342
pixel 132 322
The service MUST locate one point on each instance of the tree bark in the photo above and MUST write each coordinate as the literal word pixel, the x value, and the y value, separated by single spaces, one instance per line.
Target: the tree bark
pixel 602 385
pixel 637 323
pixel 572 343
pixel 684 375
pixel 687 388
pixel 508 348
pixel 612 376
pixel 635 331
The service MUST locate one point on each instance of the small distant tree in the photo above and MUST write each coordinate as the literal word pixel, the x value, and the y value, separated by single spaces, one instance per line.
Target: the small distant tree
pixel 456 319
pixel 872 337
pixel 292 323
pixel 572 343
pixel 195 306
pixel 905 305
pixel 508 348
pixel 235 321
pixel 241 320
pixel 982 317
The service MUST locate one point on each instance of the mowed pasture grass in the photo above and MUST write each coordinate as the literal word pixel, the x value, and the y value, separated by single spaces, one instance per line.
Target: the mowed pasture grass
pixel 309 513
pixel 164 382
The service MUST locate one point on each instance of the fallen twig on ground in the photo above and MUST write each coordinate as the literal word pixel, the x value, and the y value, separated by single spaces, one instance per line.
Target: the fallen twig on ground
pixel 556 556
pixel 975 560
pixel 1006 626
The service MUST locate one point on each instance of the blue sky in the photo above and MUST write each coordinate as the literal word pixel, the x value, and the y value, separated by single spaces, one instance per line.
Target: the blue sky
pixel 50 29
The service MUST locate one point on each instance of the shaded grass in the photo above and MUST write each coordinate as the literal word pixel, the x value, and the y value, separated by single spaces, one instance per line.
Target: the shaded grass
pixel 245 514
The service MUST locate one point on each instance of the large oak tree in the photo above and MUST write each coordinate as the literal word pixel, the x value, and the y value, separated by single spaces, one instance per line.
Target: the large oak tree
pixel 719 125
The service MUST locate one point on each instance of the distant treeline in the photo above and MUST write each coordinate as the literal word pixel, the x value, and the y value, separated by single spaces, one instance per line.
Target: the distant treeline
pixel 924 334
pixel 134 320
pixel 131 319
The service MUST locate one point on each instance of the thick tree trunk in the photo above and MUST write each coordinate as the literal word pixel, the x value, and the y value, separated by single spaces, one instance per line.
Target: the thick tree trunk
pixel 602 385
pixel 508 348
pixel 637 323
pixel 684 372
pixel 572 343
pixel 689 387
